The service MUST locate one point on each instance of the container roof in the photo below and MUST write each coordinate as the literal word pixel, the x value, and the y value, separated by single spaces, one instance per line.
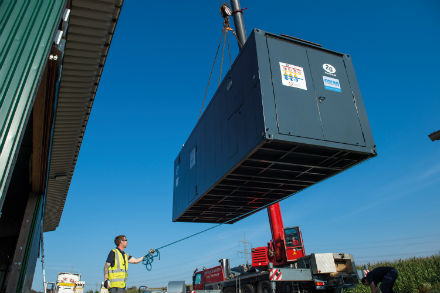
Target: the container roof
pixel 91 28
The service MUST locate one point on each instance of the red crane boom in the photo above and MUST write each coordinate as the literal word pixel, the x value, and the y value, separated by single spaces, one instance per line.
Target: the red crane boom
pixel 286 245
pixel 277 230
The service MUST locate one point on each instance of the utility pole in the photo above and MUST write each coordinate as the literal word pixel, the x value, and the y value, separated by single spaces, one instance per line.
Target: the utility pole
pixel 245 251
pixel 238 22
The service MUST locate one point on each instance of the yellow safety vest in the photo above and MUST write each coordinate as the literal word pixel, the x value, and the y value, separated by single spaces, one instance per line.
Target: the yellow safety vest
pixel 117 274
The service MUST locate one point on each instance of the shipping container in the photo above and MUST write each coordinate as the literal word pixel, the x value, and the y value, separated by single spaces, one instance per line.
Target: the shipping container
pixel 287 115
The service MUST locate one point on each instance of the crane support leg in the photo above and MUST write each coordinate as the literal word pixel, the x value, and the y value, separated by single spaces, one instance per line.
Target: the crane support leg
pixel 273 285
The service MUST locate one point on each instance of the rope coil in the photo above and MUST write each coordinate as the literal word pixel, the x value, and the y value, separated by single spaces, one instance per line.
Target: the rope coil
pixel 149 258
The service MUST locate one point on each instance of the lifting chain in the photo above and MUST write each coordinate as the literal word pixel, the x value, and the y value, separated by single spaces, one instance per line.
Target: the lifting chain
pixel 225 12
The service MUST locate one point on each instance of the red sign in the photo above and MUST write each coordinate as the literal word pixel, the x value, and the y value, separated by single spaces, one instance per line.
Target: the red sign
pixel 213 275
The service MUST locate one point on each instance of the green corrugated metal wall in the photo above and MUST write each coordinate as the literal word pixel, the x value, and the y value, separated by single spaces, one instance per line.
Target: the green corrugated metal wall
pixel 27 28
pixel 32 250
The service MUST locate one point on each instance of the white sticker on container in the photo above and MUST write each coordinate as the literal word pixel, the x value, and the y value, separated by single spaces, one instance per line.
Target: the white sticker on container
pixel 192 158
pixel 331 84
pixel 293 76
pixel 329 69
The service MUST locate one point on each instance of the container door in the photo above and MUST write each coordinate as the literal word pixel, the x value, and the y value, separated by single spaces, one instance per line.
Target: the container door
pixel 295 98
pixel 337 107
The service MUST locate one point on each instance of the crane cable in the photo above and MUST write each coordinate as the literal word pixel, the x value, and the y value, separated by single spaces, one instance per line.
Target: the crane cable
pixel 226 28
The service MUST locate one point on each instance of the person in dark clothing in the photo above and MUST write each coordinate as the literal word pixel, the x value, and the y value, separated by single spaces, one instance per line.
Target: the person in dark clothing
pixel 384 275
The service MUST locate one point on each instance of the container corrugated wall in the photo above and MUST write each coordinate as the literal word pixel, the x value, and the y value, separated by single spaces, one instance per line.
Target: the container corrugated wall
pixel 26 33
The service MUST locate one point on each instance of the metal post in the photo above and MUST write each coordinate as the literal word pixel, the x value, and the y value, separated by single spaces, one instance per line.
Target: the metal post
pixel 238 22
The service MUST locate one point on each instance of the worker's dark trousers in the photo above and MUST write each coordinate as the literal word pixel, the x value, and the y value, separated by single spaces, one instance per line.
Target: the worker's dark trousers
pixel 117 290
pixel 388 281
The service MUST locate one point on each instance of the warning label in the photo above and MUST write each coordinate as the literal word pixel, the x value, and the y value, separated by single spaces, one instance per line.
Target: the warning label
pixel 293 76
pixel 331 84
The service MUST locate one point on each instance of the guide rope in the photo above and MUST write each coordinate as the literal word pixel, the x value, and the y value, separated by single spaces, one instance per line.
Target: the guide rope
pixel 226 28
pixel 149 257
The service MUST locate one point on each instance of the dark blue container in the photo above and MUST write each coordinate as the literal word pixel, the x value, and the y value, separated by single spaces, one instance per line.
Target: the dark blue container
pixel 287 115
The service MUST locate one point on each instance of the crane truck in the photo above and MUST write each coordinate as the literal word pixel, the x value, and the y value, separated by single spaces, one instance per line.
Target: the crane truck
pixel 281 266
pixel 66 283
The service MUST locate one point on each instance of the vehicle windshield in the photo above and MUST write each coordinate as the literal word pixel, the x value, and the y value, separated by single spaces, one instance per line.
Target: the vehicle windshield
pixel 292 237
pixel 198 279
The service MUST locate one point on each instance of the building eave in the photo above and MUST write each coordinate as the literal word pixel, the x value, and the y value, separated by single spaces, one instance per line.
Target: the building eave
pixel 90 32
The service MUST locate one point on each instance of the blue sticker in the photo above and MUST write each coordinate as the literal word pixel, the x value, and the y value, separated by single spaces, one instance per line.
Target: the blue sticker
pixel 332 84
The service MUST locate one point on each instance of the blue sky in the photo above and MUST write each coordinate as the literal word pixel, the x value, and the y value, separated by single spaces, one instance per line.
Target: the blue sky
pixel 148 102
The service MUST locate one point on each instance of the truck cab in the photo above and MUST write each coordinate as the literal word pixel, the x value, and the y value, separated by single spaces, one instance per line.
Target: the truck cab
pixel 68 283
pixel 293 243
pixel 208 276
pixel 50 287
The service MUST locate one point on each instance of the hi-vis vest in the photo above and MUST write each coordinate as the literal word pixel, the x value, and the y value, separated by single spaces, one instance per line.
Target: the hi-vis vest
pixel 117 274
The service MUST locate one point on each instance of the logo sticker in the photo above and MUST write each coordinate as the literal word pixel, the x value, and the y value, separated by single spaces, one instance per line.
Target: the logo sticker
pixel 293 76
pixel 330 69
pixel 331 84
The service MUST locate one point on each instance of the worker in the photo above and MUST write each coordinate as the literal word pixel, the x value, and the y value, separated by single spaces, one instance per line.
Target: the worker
pixel 115 269
pixel 384 275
